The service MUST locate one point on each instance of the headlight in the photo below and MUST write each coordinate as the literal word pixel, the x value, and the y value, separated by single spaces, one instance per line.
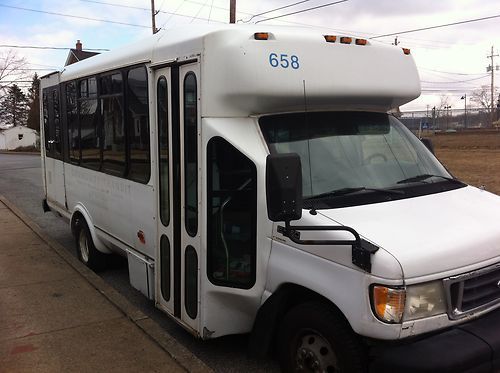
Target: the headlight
pixel 388 303
pixel 394 305
pixel 424 300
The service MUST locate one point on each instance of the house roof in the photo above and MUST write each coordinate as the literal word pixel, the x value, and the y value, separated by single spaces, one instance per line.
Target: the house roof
pixel 76 55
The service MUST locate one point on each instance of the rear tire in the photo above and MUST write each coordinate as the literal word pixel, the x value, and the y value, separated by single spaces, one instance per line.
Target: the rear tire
pixel 313 338
pixel 86 250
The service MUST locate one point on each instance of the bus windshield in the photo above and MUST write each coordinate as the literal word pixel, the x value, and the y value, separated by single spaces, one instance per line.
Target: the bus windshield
pixel 351 151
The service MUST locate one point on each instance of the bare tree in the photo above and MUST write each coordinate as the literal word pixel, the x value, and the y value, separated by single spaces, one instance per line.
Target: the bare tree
pixel 12 69
pixel 482 98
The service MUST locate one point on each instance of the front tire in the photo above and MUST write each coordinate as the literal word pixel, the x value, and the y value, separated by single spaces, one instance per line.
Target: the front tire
pixel 86 250
pixel 313 338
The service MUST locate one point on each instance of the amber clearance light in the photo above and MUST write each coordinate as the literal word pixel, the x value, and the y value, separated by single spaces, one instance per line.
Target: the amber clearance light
pixel 261 36
pixel 330 38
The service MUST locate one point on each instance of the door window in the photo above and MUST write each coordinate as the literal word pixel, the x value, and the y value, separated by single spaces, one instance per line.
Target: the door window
pixel 162 113
pixel 232 211
pixel 191 153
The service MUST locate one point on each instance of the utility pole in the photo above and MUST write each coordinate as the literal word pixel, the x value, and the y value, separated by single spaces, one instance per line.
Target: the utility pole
pixel 492 69
pixel 232 11
pixel 153 15
pixel 464 97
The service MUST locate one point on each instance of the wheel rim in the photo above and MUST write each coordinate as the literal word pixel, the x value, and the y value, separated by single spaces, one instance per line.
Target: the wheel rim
pixel 315 354
pixel 84 246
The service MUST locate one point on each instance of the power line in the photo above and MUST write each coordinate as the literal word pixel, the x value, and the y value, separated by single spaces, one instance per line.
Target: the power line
pixel 73 16
pixel 449 72
pixel 437 26
pixel 455 81
pixel 44 47
pixel 160 11
pixel 303 10
pixel 276 9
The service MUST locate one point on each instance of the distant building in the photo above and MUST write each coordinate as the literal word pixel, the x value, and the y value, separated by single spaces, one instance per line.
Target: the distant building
pixel 18 137
pixel 78 54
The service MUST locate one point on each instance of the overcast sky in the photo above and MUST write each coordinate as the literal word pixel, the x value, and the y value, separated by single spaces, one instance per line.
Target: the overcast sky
pixel 451 60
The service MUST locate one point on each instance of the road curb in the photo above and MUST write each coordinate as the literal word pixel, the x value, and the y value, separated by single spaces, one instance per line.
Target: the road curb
pixel 169 344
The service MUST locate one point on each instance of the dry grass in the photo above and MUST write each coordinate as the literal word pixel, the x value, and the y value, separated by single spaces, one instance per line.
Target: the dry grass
pixel 473 157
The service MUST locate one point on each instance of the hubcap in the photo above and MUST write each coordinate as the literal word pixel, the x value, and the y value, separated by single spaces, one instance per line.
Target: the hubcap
pixel 315 354
pixel 83 246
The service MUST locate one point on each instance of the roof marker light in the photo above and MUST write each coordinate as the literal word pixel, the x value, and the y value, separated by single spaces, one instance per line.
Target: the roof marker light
pixel 345 40
pixel 330 38
pixel 406 50
pixel 361 42
pixel 261 35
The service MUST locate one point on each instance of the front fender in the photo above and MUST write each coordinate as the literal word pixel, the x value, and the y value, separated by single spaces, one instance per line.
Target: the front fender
pixel 346 287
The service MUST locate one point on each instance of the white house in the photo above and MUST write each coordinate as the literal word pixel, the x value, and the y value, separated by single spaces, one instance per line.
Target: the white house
pixel 16 137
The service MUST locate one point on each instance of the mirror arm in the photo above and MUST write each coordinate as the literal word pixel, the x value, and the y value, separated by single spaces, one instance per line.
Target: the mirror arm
pixel 361 249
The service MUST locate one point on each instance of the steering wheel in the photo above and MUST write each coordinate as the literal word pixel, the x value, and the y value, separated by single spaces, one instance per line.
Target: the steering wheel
pixel 376 155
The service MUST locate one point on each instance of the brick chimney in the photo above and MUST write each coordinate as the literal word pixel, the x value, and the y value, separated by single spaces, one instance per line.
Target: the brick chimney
pixel 78 45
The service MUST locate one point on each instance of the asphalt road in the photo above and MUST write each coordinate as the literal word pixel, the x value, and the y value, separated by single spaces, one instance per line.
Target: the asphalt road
pixel 21 183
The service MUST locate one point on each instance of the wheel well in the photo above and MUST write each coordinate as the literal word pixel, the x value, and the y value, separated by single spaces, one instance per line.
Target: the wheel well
pixel 266 325
pixel 76 221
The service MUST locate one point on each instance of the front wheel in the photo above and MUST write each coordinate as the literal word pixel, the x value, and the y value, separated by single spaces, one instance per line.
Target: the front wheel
pixel 313 338
pixel 86 250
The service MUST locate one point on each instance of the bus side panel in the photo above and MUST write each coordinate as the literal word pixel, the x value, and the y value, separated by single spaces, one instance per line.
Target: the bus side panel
pixel 118 207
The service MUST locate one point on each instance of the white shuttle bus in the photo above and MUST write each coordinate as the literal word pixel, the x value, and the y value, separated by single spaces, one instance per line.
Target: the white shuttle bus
pixel 257 184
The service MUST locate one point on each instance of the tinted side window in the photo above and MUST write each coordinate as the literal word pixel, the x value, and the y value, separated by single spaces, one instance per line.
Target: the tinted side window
pixel 88 115
pixel 73 127
pixel 57 124
pixel 45 104
pixel 113 125
pixel 138 125
pixel 191 154
pixel 232 215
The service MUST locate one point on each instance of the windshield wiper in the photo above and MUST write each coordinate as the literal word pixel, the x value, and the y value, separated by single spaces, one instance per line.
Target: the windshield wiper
pixel 424 177
pixel 345 191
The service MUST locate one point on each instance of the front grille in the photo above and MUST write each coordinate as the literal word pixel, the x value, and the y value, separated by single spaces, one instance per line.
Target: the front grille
pixel 473 292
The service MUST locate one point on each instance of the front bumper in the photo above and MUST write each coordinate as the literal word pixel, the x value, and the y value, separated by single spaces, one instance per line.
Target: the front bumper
pixel 470 347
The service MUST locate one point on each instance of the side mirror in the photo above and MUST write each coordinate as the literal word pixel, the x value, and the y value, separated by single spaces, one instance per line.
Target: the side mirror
pixel 284 187
pixel 428 144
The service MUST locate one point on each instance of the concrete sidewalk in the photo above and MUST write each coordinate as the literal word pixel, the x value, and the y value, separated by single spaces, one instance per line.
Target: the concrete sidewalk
pixel 58 316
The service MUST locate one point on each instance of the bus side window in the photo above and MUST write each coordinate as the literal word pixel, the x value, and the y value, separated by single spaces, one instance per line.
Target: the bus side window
pixel 232 215
pixel 73 127
pixel 88 114
pixel 112 124
pixel 138 125
pixel 46 133
pixel 57 125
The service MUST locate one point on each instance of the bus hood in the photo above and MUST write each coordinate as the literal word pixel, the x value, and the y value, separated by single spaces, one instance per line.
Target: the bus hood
pixel 431 236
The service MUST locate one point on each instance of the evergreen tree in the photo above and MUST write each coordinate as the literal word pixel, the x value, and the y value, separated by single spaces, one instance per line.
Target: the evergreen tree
pixel 34 104
pixel 14 107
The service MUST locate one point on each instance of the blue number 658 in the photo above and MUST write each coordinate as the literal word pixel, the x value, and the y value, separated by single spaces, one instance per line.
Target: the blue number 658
pixel 284 61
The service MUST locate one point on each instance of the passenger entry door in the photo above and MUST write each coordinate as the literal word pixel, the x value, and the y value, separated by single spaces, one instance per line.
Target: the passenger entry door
pixel 177 270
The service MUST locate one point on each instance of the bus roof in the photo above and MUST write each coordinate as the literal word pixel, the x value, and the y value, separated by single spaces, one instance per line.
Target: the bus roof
pixel 293 68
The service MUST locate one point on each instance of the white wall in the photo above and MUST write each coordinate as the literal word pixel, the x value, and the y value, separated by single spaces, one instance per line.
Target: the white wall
pixel 9 138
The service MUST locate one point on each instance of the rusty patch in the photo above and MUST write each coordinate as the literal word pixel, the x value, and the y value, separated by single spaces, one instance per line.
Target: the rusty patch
pixel 22 349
